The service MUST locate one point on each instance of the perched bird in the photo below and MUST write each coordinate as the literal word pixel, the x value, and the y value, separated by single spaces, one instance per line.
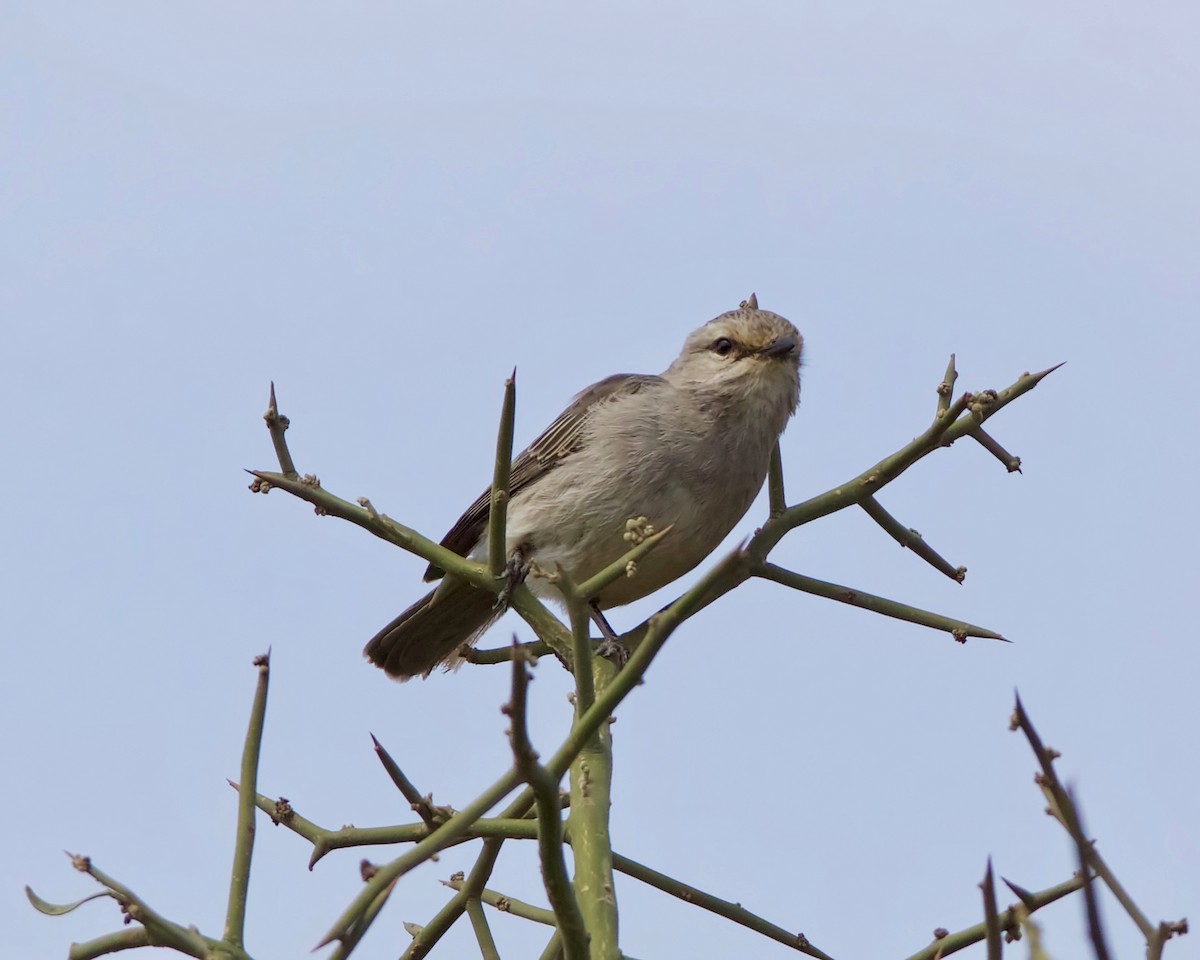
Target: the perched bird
pixel 687 449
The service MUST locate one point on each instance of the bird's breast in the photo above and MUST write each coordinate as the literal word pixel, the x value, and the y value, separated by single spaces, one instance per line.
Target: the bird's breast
pixel 676 467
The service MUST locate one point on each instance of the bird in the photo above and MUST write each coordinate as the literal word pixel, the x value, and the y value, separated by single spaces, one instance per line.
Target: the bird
pixel 687 449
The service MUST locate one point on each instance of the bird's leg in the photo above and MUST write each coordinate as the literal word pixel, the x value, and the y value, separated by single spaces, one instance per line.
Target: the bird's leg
pixel 514 574
pixel 611 647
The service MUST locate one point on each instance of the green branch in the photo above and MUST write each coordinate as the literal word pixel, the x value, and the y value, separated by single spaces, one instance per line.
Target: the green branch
pixel 243 851
pixel 959 629
pixel 454 829
pixel 950 943
pixel 566 908
pixel 498 514
pixel 506 904
pixel 991 920
pixel 1066 812
pixel 909 538
pixel 722 908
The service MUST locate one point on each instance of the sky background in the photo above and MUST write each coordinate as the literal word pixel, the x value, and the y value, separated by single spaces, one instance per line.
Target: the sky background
pixel 384 208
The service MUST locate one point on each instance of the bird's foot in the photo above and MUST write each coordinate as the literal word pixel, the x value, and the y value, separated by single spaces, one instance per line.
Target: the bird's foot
pixel 514 574
pixel 614 649
pixel 611 647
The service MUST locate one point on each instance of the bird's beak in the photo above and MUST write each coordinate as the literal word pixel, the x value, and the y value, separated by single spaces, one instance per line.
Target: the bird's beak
pixel 779 347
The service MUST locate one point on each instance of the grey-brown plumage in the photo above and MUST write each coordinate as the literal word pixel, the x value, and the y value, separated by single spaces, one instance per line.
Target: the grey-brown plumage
pixel 687 449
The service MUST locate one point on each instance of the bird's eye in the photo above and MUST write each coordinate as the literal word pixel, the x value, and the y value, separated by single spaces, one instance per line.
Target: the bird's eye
pixel 722 346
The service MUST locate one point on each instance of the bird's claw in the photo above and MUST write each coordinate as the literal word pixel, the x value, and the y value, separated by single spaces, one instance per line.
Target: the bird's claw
pixel 514 574
pixel 614 649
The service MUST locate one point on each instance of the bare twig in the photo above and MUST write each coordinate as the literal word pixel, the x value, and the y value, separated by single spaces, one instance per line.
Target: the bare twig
pixel 907 537
pixel 159 930
pixel 427 937
pixel 325 840
pixel 536 648
pixel 567 914
pixel 128 939
pixel 354 919
pixel 952 421
pixel 991 922
pixel 953 942
pixel 959 629
pixel 722 908
pixel 507 904
pixel 945 389
pixel 497 515
pixel 277 424
pixel 483 933
pixel 776 495
pixel 1062 806
pixel 243 851
pixel 987 441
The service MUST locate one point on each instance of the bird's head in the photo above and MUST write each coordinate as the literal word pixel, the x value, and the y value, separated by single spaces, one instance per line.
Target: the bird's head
pixel 746 354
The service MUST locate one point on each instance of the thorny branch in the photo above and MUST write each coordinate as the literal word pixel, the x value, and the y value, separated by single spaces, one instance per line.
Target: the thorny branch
pixel 440 827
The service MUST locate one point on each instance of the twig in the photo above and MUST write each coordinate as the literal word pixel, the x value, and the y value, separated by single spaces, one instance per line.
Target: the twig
pixel 309 488
pixel 449 832
pixel 945 430
pixel 580 662
pixel 948 426
pixel 1091 903
pixel 347 944
pixel 566 908
pixel 945 389
pixel 277 424
pixel 776 496
pixel 953 942
pixel 1062 806
pixel 243 850
pixel 991 922
pixel 428 936
pixel 507 904
pixel 722 908
pixel 483 933
pixel 553 949
pixel 127 939
pixel 497 515
pixel 159 930
pixel 660 628
pixel 959 629
pixel 325 840
pixel 536 648
pixel 987 441
pixel 907 537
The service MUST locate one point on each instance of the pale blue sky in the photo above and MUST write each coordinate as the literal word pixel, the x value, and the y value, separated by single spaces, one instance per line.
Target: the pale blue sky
pixel 384 208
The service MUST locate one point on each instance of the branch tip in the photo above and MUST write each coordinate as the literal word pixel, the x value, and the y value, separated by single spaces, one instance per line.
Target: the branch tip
pixel 1039 377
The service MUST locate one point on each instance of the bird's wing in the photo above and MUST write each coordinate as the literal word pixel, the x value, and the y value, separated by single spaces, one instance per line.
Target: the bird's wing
pixel 559 440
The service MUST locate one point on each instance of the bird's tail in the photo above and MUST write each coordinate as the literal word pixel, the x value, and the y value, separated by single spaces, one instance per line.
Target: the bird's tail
pixel 431 631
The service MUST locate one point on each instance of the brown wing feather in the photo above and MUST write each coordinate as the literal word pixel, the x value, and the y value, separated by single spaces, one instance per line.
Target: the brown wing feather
pixel 559 439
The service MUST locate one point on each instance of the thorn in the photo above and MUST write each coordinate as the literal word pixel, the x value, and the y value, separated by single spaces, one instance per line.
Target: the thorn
pixel 1039 377
pixel 1022 894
